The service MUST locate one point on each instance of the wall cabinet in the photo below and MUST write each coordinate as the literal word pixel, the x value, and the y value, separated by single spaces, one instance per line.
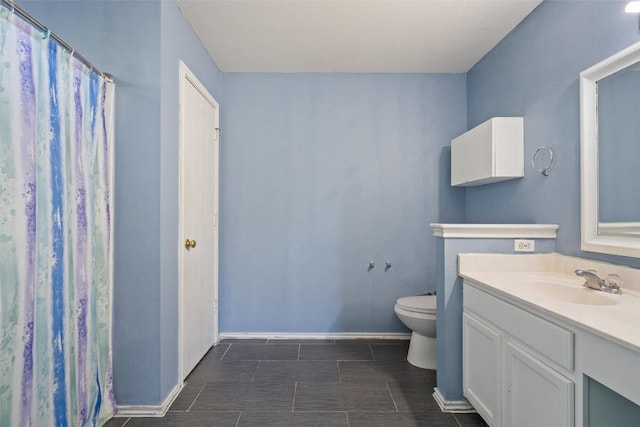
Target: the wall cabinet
pixel 516 366
pixel 492 151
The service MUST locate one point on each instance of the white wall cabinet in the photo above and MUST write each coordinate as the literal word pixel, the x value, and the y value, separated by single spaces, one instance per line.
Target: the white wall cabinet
pixel 492 151
pixel 514 364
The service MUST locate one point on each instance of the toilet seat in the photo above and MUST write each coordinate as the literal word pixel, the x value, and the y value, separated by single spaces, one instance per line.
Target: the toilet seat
pixel 418 304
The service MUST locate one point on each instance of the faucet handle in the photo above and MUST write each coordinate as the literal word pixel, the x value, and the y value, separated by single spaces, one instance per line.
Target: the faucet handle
pixel 614 281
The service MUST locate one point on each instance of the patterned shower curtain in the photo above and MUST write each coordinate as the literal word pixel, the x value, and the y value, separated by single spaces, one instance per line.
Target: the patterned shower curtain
pixel 55 233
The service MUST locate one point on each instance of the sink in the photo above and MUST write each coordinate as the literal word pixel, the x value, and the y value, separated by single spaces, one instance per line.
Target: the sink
pixel 571 293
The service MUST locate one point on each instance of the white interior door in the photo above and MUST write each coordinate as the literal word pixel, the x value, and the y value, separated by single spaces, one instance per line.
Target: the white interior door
pixel 199 128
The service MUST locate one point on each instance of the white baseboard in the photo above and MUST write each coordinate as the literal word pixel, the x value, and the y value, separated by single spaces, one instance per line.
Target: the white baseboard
pixel 316 336
pixel 150 410
pixel 456 406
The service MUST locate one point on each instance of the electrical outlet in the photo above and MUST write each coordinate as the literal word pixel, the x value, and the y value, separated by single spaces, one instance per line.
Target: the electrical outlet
pixel 522 245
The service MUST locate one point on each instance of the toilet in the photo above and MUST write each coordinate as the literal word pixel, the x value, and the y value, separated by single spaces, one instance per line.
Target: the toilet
pixel 418 313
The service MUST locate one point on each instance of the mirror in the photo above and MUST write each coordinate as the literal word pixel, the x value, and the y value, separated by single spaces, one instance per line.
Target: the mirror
pixel 610 154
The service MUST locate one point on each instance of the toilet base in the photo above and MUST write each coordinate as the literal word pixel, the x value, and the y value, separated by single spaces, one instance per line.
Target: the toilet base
pixel 422 351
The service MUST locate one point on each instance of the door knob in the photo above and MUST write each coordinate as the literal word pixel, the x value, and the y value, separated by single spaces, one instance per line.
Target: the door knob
pixel 189 244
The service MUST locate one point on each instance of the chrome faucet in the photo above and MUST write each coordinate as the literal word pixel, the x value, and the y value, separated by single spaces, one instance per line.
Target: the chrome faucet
pixel 593 281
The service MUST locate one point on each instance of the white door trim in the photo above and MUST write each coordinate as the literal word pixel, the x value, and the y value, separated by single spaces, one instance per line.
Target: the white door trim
pixel 185 74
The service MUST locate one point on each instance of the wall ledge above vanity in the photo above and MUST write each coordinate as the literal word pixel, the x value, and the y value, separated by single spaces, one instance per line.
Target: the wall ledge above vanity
pixel 495 231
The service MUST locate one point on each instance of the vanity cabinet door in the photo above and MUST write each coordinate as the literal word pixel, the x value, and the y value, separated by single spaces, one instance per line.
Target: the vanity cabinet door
pixel 535 395
pixel 481 358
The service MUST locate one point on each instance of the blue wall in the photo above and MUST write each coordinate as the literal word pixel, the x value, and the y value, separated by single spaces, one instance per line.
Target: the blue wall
pixel 140 43
pixel 533 73
pixel 321 173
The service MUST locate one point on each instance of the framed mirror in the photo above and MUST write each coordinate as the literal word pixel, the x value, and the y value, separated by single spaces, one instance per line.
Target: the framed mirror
pixel 610 154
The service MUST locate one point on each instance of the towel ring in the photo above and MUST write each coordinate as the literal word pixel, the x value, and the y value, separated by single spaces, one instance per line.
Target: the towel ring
pixel 545 167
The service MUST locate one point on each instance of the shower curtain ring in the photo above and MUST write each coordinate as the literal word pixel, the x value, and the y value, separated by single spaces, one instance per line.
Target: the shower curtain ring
pixel 46 33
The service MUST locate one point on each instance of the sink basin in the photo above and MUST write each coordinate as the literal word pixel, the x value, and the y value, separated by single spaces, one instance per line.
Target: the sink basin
pixel 575 294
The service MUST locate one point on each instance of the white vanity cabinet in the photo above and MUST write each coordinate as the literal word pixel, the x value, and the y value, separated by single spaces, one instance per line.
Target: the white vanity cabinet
pixel 481 372
pixel 535 394
pixel 516 366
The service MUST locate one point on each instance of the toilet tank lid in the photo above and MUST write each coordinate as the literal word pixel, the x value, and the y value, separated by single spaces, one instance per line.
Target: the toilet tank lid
pixel 425 303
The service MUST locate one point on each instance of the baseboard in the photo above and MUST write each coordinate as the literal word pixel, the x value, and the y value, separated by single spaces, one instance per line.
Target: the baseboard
pixel 456 406
pixel 316 336
pixel 150 410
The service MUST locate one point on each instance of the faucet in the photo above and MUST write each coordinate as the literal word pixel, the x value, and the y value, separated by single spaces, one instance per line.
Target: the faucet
pixel 593 281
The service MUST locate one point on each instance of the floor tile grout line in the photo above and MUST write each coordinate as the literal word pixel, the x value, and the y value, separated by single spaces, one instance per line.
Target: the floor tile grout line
pixel 125 423
pixel 255 371
pixel 457 421
pixel 372 353
pixel 196 398
pixel 295 390
pixel 386 383
pixel 299 350
pixel 346 413
pixel 238 420
pixel 320 411
pixel 226 351
pixel 339 373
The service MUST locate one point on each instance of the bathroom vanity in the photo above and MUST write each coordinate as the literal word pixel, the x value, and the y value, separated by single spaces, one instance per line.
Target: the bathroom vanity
pixel 538 345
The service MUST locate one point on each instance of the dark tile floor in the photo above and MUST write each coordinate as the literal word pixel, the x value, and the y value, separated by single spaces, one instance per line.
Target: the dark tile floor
pixel 310 383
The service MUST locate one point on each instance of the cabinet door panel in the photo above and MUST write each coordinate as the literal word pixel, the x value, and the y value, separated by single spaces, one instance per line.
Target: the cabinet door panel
pixel 482 382
pixel 536 395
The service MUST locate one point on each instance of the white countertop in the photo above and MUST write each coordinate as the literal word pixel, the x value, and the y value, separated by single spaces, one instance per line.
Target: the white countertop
pixel 525 282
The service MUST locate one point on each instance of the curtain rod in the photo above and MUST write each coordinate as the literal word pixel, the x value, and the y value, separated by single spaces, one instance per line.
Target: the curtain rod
pixel 10 4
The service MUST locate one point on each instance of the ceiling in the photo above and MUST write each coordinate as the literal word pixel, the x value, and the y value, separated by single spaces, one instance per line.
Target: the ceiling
pixel 352 36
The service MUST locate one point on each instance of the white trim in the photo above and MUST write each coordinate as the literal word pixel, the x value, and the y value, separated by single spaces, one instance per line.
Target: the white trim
pixel 626 229
pixel 184 74
pixel 591 240
pixel 150 410
pixel 315 336
pixel 495 231
pixel 455 406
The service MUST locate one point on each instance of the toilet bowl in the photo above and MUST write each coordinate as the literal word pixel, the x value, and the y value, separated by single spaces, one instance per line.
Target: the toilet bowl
pixel 418 313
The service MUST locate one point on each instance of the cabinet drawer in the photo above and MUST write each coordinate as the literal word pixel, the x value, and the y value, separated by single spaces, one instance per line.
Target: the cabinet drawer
pixel 549 339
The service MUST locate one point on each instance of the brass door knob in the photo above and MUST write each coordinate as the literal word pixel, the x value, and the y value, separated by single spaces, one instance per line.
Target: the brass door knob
pixel 189 244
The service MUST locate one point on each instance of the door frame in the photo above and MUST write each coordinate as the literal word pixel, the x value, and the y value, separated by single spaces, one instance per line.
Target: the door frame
pixel 186 75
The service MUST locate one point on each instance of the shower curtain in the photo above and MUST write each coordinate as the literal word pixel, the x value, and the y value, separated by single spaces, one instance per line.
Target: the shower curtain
pixel 55 233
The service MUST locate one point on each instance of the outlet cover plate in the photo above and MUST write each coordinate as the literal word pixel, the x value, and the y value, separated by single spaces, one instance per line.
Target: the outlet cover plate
pixel 524 245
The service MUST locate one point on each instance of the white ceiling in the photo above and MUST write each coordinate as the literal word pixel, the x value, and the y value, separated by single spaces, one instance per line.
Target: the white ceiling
pixel 352 36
